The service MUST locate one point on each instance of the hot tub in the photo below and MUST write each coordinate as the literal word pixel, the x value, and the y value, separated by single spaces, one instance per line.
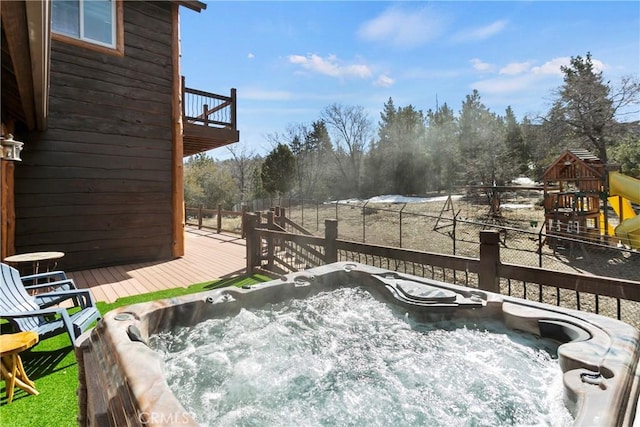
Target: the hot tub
pixel 124 367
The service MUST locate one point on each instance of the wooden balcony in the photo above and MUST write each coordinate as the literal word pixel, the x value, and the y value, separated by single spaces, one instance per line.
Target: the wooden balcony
pixel 209 120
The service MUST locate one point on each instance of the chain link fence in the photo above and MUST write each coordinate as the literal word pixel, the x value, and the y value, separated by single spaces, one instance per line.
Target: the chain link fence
pixel 453 228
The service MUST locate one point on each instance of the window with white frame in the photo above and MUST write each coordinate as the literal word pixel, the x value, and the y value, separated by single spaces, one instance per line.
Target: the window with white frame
pixel 92 21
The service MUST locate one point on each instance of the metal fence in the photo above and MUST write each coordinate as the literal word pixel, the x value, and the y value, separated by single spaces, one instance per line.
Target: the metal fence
pixel 454 229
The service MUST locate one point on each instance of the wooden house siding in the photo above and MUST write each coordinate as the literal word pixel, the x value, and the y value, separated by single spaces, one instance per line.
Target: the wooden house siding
pixel 97 184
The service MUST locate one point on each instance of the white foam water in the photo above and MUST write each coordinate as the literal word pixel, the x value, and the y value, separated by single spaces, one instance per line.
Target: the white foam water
pixel 344 358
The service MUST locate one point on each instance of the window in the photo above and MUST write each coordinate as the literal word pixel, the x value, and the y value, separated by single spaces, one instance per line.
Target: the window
pixel 91 21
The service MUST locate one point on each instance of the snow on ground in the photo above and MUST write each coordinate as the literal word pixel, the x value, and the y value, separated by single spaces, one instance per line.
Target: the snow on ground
pixel 395 198
pixel 523 180
pixel 515 206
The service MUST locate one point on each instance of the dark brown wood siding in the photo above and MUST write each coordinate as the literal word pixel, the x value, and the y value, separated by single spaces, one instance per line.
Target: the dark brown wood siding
pixel 97 184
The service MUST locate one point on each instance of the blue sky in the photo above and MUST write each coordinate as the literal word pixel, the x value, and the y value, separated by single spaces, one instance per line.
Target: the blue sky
pixel 288 60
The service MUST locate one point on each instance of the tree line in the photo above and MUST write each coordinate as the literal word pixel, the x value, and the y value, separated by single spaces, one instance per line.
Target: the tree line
pixel 343 154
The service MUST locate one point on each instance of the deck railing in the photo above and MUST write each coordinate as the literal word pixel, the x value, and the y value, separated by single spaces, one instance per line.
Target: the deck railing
pixel 208 109
pixel 270 247
pixel 215 219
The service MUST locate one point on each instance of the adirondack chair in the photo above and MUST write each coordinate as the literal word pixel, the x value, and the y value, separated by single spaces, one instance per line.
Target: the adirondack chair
pixel 49 281
pixel 36 313
pixel 48 277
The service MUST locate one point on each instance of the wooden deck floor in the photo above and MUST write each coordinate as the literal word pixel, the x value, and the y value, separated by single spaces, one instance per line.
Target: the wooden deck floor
pixel 208 256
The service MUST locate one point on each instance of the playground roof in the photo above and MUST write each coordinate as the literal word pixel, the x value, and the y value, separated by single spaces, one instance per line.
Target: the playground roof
pixel 574 164
pixel 584 155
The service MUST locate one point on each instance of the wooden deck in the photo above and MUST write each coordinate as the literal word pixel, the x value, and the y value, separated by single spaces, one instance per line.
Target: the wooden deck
pixel 208 256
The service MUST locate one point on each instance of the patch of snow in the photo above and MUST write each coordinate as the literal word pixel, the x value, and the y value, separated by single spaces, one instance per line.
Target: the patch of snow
pixel 523 180
pixel 395 198
pixel 346 202
pixel 515 206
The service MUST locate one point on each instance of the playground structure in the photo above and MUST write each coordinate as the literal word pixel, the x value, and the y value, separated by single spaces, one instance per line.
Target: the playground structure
pixel 623 191
pixel 578 189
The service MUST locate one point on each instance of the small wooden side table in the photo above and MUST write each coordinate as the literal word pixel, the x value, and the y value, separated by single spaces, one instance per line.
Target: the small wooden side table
pixel 35 258
pixel 11 367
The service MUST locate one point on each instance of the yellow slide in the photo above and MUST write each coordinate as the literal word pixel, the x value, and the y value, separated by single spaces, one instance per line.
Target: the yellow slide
pixel 623 190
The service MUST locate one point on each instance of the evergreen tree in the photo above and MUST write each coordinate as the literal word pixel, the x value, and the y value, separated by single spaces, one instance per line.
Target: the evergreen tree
pixel 442 142
pixel 627 154
pixel 278 170
pixel 589 106
pixel 398 160
pixel 516 149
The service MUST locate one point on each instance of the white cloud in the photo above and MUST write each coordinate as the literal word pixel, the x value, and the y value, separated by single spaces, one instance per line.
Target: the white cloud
pixel 251 55
pixel 330 66
pixel 515 68
pixel 480 65
pixel 480 33
pixel 552 67
pixel 384 81
pixel 404 28
pixel 518 77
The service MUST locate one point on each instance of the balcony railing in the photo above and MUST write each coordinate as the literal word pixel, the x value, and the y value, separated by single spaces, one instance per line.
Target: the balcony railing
pixel 209 120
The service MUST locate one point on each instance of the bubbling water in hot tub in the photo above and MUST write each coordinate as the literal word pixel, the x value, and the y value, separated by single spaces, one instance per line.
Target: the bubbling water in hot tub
pixel 345 358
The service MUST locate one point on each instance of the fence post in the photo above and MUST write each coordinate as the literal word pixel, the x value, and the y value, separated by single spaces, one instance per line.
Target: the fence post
pixel 540 247
pixel 400 231
pixel 234 120
pixel 455 222
pixel 405 205
pixel 219 225
pixel 364 222
pixel 270 242
pixel 330 236
pixel 200 216
pixel 205 114
pixel 243 219
pixel 252 242
pixel 280 219
pixel 489 261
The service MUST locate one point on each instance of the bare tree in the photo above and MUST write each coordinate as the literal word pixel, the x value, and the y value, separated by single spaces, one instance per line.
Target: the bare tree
pixel 351 131
pixel 242 163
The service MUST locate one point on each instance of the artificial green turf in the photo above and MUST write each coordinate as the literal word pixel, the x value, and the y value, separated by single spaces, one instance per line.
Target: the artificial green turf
pixel 51 364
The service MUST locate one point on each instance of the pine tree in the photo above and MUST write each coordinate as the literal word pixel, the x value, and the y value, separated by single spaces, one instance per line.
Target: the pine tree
pixel 589 106
pixel 278 170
